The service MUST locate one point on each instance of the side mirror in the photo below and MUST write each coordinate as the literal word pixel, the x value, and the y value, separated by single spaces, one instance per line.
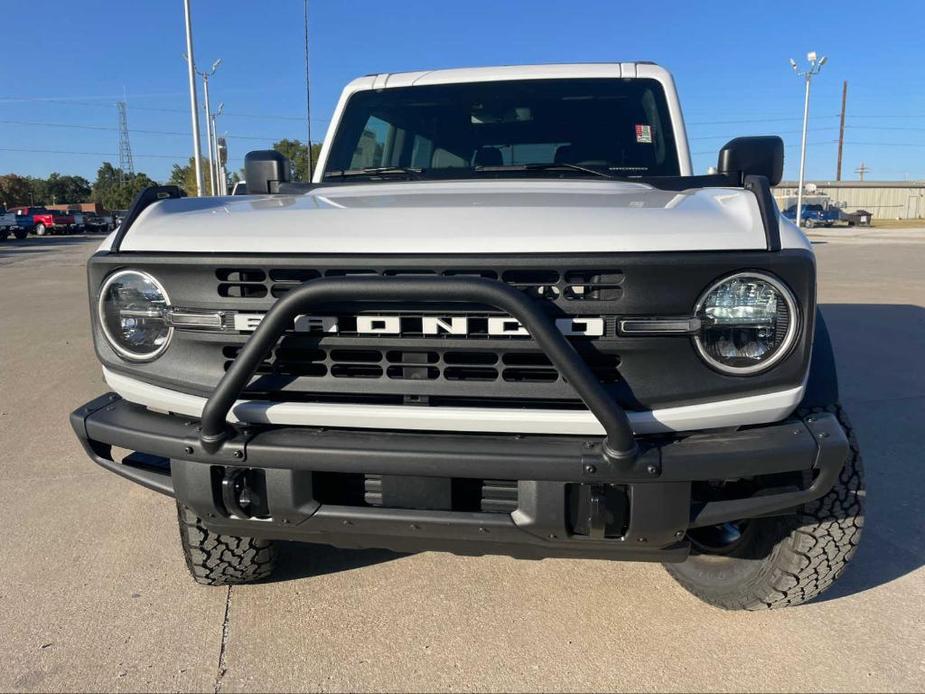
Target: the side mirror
pixel 753 156
pixel 264 170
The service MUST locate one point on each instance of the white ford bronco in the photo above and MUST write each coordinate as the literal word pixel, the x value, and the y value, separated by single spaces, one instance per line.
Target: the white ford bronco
pixel 504 318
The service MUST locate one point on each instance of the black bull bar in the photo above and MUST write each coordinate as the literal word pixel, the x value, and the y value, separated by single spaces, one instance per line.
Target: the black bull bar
pixel 618 449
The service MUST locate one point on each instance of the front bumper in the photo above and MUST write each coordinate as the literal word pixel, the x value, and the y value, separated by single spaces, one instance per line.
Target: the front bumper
pixel 558 479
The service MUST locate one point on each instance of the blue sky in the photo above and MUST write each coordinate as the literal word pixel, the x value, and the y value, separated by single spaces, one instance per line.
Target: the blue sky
pixel 729 59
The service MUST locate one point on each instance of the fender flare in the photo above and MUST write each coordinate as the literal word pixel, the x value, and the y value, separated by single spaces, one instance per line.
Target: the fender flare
pixel 822 384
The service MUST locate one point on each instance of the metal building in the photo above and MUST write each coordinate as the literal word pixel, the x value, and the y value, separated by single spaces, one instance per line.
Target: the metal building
pixel 883 199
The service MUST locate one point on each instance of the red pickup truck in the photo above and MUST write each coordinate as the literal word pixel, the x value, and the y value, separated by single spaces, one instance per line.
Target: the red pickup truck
pixel 44 221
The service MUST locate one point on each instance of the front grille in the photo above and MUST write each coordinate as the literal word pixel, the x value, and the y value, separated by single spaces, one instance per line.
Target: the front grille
pixel 558 285
pixel 301 357
pixel 492 360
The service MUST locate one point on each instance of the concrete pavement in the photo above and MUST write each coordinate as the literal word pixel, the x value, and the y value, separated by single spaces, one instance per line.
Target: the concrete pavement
pixel 94 594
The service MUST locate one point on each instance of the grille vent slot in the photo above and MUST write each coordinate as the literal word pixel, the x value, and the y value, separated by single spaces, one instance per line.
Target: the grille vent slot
pixel 551 284
pixel 454 365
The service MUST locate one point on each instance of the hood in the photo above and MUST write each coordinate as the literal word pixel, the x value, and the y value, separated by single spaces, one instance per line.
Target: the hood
pixel 483 216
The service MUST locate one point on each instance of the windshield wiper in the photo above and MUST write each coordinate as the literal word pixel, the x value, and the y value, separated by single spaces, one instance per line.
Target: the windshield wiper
pixel 375 171
pixel 544 167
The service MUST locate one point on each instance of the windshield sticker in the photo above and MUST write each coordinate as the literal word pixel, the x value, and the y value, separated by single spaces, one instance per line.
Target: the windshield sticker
pixel 644 134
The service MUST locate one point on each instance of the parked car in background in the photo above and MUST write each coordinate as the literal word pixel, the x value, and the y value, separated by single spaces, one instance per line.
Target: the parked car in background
pixel 41 220
pixel 95 222
pixel 7 223
pixel 14 223
pixel 814 215
pixel 80 221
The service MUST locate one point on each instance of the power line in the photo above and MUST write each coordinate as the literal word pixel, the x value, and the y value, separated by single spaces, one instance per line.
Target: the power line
pixel 95 154
pixel 82 126
pixel 161 109
pixel 779 132
pixel 102 154
pixel 808 144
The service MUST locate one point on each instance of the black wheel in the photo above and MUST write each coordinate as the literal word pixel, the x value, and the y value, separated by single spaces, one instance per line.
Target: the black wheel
pixel 4 232
pixel 216 560
pixel 40 229
pixel 20 234
pixel 766 563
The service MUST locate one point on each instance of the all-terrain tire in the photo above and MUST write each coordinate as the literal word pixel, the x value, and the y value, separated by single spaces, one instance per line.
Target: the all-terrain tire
pixel 217 560
pixel 786 560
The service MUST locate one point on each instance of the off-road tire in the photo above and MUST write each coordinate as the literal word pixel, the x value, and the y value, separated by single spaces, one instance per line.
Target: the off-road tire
pixel 218 560
pixel 786 560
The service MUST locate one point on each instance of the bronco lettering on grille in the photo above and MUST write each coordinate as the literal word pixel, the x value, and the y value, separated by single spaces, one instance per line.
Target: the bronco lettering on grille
pixel 496 326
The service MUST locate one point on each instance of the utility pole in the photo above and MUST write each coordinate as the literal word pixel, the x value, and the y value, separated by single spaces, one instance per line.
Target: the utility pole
pixel 213 150
pixel 308 98
pixel 193 105
pixel 841 128
pixel 213 178
pixel 815 65
pixel 861 170
pixel 126 166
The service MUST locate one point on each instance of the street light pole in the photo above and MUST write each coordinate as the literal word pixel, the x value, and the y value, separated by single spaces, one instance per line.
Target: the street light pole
pixel 213 177
pixel 194 106
pixel 205 89
pixel 803 150
pixel 814 67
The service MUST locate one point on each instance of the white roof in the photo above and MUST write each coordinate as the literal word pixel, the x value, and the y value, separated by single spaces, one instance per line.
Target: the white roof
pixel 508 72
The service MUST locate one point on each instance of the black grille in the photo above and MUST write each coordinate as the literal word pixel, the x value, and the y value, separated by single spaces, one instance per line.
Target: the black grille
pixel 487 496
pixel 292 357
pixel 560 285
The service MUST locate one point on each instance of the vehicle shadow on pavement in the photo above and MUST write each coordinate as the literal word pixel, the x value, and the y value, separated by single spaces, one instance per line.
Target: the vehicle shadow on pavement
pixel 878 350
pixel 303 560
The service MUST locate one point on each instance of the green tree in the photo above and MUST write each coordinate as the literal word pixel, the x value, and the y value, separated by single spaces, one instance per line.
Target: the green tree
pixel 66 189
pixel 15 190
pixel 297 153
pixel 185 177
pixel 114 189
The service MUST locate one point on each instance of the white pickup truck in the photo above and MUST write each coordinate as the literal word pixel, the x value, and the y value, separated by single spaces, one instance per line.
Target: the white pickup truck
pixel 504 317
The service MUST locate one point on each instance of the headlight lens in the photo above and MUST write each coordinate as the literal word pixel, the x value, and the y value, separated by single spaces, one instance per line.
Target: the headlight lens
pixel 133 315
pixel 749 323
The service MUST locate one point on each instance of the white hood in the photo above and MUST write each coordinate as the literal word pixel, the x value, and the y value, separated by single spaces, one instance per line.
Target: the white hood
pixel 483 216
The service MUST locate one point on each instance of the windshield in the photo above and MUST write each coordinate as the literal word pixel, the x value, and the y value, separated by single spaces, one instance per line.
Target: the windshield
pixel 544 127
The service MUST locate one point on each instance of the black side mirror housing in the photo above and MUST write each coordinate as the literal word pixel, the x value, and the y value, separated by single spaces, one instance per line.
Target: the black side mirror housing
pixel 264 170
pixel 753 156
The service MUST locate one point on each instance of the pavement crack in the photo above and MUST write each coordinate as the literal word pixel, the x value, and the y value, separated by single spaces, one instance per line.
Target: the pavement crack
pixel 222 666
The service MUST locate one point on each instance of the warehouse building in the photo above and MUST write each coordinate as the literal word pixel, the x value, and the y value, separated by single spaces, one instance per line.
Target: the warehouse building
pixel 883 199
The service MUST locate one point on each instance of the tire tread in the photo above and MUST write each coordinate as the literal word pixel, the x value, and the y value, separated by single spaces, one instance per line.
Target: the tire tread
pixel 817 543
pixel 215 560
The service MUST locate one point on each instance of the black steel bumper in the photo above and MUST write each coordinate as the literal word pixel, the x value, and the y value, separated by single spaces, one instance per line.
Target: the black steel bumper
pixel 168 455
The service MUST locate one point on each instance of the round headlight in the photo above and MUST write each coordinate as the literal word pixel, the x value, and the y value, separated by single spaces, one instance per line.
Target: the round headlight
pixel 749 323
pixel 133 315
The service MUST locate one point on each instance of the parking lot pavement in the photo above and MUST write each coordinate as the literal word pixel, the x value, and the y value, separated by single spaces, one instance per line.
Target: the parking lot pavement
pixel 94 594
